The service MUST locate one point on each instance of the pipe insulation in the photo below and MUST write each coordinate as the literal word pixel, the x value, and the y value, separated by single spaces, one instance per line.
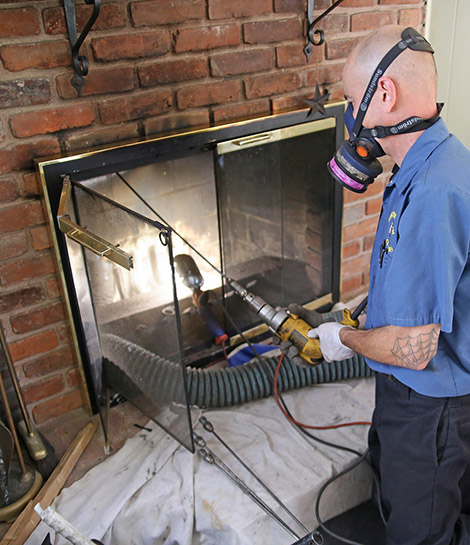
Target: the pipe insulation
pixel 133 370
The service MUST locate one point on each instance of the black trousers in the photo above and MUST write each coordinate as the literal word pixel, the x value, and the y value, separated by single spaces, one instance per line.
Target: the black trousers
pixel 420 448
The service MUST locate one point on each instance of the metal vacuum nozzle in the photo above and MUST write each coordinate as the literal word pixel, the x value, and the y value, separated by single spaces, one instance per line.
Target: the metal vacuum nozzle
pixel 188 271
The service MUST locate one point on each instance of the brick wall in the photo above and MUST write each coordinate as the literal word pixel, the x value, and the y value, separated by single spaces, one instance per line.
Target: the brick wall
pixel 155 65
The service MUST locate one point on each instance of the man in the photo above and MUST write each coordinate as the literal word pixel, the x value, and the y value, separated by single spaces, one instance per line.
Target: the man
pixel 416 336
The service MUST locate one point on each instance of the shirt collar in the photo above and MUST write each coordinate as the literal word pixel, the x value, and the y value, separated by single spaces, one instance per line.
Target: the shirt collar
pixel 418 154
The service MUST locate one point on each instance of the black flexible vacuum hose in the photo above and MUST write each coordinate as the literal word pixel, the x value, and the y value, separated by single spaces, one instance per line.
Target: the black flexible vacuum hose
pixel 143 371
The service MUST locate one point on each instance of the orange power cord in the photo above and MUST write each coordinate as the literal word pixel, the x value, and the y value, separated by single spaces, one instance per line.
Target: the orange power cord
pixel 331 427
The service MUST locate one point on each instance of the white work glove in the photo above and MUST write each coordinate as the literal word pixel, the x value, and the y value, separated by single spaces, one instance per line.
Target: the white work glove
pixel 331 346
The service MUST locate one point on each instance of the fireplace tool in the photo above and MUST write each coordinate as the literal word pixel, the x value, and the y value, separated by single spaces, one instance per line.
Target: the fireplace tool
pixel 191 276
pixel 312 538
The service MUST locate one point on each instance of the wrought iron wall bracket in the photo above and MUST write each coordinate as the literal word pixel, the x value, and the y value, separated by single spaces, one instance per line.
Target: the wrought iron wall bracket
pixel 80 62
pixel 312 33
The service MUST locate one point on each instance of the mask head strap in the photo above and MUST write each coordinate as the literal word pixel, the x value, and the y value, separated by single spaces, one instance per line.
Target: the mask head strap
pixel 411 39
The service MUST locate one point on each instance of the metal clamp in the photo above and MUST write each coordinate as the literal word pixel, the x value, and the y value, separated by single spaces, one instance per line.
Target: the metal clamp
pixel 80 62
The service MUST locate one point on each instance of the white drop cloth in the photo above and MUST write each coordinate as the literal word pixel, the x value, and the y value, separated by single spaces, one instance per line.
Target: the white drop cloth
pixel 154 492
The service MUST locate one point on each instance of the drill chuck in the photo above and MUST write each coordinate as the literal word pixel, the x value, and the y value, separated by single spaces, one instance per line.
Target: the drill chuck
pixel 274 318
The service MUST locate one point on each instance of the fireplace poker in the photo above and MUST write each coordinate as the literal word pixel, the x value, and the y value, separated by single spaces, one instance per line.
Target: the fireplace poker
pixel 284 324
pixel 208 456
pixel 210 428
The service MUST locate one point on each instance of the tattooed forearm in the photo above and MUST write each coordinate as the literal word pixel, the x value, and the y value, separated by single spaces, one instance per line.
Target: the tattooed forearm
pixel 415 352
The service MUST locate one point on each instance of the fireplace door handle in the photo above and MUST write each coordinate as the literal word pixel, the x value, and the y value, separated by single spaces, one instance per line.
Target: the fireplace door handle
pixel 85 238
pixel 252 139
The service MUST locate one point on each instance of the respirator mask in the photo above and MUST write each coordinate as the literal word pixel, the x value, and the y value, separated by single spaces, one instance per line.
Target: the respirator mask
pixel 355 164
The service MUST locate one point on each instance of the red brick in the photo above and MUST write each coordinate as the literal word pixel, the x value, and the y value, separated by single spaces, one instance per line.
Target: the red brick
pixel 293 55
pixel 171 71
pixel 30 185
pixel 370 20
pixel 410 17
pixel 350 286
pixel 24 92
pixel 208 93
pixel 98 82
pixel 38 55
pixel 98 137
pixel 325 75
pixel 135 107
pixel 8 191
pixel 131 46
pixel 33 345
pixel 335 23
pixel 336 92
pixel 207 37
pixel 13 245
pixel 355 265
pixel 292 6
pixel 291 102
pixel 242 62
pixel 339 49
pixel 271 84
pixel 52 120
pixel 272 31
pixel 353 213
pixel 221 9
pixel 20 216
pixel 36 319
pixel 373 206
pixel 65 336
pixel 360 229
pixel 43 389
pixel 57 406
pixel 19 22
pixel 40 238
pixel 358 3
pixel 400 1
pixel 111 16
pixel 74 378
pixel 351 249
pixel 233 112
pixel 176 122
pixel 162 12
pixel 368 243
pixel 25 269
pixel 23 297
pixel 53 288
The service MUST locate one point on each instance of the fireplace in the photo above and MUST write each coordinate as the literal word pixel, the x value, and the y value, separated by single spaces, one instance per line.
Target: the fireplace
pixel 252 200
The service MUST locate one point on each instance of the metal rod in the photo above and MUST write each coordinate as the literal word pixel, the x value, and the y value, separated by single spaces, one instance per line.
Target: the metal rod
pixel 326 12
pixel 208 456
pixel 210 428
pixel 11 425
pixel 14 379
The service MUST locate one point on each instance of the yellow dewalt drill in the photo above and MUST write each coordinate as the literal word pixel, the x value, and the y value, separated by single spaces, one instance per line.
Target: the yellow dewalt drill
pixel 290 327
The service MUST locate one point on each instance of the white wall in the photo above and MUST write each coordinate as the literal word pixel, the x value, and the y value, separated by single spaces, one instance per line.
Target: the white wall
pixel 448 30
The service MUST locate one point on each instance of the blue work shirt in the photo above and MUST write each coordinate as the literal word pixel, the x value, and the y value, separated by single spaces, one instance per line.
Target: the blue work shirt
pixel 419 268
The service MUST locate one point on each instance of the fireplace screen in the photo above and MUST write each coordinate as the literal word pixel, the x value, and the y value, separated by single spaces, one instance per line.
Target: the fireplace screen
pixel 252 201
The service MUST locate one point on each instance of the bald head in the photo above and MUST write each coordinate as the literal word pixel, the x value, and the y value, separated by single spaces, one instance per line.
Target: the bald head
pixel 413 72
